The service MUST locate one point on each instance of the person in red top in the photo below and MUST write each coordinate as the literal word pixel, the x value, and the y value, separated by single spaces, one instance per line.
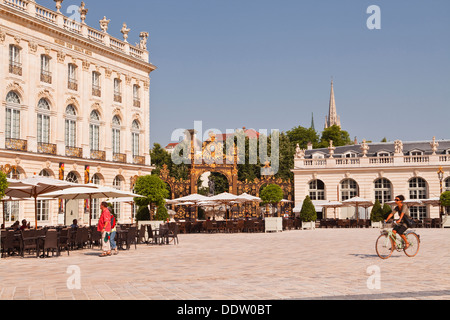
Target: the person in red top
pixel 25 226
pixel 104 226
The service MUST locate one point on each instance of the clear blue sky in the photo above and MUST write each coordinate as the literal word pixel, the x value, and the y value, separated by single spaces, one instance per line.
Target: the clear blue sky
pixel 267 64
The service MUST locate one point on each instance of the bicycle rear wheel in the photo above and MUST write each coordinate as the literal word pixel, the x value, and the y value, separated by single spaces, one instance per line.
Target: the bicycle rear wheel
pixel 414 245
pixel 384 246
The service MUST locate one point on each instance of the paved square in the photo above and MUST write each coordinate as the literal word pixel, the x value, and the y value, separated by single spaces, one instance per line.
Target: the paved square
pixel 320 264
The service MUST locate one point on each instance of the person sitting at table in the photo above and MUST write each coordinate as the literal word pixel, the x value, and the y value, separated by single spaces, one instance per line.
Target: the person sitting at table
pixel 16 226
pixel 74 224
pixel 24 226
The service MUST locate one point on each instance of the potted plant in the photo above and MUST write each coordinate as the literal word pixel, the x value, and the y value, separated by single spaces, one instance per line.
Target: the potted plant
pixel 308 214
pixel 377 215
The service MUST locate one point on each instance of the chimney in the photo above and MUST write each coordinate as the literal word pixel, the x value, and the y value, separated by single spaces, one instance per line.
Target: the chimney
pixel 310 146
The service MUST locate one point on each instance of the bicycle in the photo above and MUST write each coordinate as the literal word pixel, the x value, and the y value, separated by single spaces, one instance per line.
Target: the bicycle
pixel 387 242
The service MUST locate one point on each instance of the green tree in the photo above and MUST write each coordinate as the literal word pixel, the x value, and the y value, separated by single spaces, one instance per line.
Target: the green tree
pixel 308 212
pixel 335 133
pixel 143 214
pixel 445 199
pixel 153 189
pixel 3 184
pixel 287 153
pixel 161 157
pixel 161 213
pixel 272 194
pixel 302 136
pixel 377 215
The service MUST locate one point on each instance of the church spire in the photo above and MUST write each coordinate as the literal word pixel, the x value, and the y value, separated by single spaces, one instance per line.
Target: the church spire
pixel 312 122
pixel 332 118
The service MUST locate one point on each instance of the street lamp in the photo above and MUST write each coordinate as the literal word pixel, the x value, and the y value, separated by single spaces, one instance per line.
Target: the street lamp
pixel 441 179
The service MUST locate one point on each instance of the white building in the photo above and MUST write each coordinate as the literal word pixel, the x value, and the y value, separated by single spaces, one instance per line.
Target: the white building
pixel 75 106
pixel 374 171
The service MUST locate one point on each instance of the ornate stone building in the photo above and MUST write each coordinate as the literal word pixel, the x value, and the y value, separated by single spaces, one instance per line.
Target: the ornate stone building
pixel 373 171
pixel 75 106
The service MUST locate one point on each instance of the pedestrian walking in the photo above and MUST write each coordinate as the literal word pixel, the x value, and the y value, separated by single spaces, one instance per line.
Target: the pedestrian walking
pixel 104 226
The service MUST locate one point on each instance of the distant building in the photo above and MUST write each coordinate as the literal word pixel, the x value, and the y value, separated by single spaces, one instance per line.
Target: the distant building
pixel 374 171
pixel 76 106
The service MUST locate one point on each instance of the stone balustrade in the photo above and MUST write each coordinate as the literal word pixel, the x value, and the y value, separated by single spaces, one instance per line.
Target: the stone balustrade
pixel 362 162
pixel 57 19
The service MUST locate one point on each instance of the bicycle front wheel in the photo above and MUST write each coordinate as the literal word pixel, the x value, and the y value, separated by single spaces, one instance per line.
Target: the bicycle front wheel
pixel 384 246
pixel 414 245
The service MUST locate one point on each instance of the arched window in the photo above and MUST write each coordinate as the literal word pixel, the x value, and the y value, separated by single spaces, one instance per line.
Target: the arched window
pixel 317 190
pixel 94 131
pixel 447 184
pixel 349 189
pixel 418 190
pixel 72 177
pixel 135 128
pixel 71 126
pixel 43 121
pixel 12 127
pixel 12 97
pixel 116 135
pixel 383 190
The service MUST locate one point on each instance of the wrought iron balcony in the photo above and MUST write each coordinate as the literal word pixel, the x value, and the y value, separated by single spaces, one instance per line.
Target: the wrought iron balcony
pixel 117 97
pixel 46 76
pixel 16 144
pixel 96 91
pixel 47 148
pixel 139 160
pixel 74 152
pixel 98 155
pixel 15 68
pixel 73 84
pixel 120 157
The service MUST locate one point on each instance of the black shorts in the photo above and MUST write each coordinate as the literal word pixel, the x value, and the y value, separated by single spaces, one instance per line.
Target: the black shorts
pixel 400 229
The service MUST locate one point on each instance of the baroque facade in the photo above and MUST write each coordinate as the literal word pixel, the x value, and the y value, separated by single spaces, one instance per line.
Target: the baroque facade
pixel 374 171
pixel 75 106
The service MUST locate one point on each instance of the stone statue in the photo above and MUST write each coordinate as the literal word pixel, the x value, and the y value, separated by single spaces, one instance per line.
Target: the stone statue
pixel 398 145
pixel 299 153
pixel 144 38
pixel 104 24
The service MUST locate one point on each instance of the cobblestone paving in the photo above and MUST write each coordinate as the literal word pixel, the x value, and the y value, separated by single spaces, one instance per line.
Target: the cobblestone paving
pixel 320 264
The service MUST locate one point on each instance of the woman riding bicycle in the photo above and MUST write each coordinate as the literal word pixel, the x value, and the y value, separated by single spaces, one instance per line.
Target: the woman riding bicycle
pixel 400 227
